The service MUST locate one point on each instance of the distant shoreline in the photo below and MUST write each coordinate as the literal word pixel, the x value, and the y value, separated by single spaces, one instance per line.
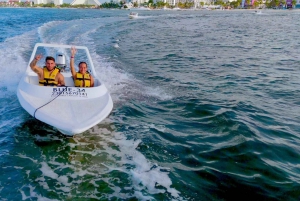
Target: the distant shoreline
pixel 159 9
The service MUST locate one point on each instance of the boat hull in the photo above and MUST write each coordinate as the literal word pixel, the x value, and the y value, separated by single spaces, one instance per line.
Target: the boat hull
pixel 133 15
pixel 71 110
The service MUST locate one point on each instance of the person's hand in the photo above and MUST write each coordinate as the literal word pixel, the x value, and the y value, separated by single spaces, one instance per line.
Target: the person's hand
pixel 73 51
pixel 38 57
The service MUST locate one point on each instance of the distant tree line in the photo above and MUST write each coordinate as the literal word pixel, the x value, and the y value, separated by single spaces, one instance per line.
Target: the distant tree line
pixel 112 4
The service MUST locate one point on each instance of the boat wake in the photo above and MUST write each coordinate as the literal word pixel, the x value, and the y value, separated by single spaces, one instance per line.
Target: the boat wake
pixel 89 162
pixel 85 163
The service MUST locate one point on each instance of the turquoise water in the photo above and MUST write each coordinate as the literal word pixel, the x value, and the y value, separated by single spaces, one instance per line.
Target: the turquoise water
pixel 206 107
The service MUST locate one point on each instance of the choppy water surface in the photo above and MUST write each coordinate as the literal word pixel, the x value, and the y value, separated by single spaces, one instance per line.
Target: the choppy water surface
pixel 206 107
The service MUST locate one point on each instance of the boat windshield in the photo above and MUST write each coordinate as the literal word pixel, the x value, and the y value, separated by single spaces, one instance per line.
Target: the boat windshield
pixel 66 52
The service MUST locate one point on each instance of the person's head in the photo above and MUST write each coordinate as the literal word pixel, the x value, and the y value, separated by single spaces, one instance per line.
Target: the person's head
pixel 82 67
pixel 50 63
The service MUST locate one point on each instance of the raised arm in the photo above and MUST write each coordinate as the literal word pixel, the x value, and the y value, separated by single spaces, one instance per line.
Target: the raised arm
pixel 34 67
pixel 73 52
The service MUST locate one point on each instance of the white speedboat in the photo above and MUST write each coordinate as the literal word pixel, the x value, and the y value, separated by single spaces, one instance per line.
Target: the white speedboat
pixel 72 110
pixel 133 15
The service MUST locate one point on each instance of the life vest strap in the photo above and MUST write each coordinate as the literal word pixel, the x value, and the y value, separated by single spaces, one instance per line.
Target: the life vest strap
pixel 83 79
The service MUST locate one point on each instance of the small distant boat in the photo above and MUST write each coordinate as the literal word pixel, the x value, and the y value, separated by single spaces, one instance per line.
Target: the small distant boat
pixel 258 12
pixel 72 110
pixel 133 15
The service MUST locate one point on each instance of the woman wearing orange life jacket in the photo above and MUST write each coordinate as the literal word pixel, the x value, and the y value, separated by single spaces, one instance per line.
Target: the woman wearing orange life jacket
pixel 82 78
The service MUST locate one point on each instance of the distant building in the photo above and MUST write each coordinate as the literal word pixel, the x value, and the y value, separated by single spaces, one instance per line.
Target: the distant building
pixel 170 2
pixel 129 5
pixel 38 1
pixel 86 2
pixel 297 4
pixel 56 2
pixel 197 3
pixel 14 1
pixel 139 2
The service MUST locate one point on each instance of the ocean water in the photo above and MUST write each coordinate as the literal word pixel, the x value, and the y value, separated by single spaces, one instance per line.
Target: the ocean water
pixel 206 107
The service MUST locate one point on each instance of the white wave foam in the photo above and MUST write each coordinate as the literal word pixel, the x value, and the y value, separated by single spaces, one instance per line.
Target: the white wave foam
pixel 143 173
pixel 49 33
pixel 33 194
pixel 12 52
pixel 158 93
pixel 95 158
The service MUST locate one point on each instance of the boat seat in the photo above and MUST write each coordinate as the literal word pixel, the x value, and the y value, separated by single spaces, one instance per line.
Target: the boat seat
pixel 69 82
pixel 33 80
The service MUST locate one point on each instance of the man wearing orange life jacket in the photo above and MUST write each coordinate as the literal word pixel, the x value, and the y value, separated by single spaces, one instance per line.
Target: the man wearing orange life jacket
pixel 82 78
pixel 49 75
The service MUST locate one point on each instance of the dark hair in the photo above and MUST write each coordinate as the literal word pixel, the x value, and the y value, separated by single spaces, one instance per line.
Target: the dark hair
pixel 49 58
pixel 82 62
